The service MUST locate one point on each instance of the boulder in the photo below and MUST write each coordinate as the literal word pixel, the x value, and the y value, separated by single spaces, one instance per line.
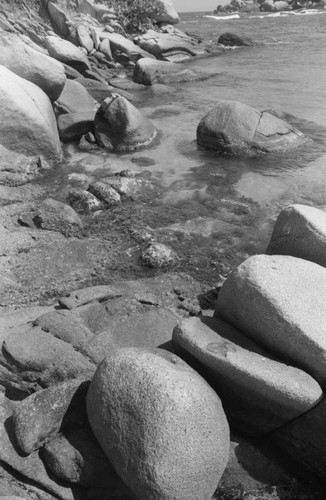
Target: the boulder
pixel 28 125
pixel 232 40
pixel 43 359
pixel 280 302
pixel 149 71
pixel 303 439
pixel 17 169
pixel 159 255
pixel 119 126
pixel 75 99
pixel 72 126
pixel 105 48
pixel 100 91
pixel 166 13
pixel 68 53
pixel 281 5
pixel 160 424
pixel 84 38
pixel 31 467
pixel 257 391
pixel 76 457
pixel 157 43
pixel 58 18
pixel 83 201
pixel 38 68
pixel 300 231
pixel 237 129
pixel 119 43
pixel 40 416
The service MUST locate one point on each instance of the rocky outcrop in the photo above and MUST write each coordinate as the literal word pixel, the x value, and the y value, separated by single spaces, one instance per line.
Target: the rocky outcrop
pixel 300 231
pixel 29 108
pixel 235 128
pixel 38 68
pixel 119 126
pixel 171 404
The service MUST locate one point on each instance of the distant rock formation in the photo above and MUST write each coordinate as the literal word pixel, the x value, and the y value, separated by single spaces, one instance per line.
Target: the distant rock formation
pixel 251 6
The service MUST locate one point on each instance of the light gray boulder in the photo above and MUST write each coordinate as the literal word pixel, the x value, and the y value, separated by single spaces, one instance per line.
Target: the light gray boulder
pixel 85 38
pixel 280 302
pixel 123 44
pixel 119 126
pixel 75 98
pixel 67 53
pixel 257 391
pixel 167 13
pixel 28 124
pixel 237 129
pixel 38 68
pixel 300 231
pixel 160 424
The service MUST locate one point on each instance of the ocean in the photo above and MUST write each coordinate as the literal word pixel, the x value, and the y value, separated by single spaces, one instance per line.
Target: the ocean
pixel 215 210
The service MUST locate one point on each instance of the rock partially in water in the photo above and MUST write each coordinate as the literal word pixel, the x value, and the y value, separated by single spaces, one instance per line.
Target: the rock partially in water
pixel 75 99
pixel 232 40
pixel 175 441
pixel 73 126
pixel 237 129
pixel 150 71
pixel 300 231
pixel 159 255
pixel 280 302
pixel 119 126
pixel 257 391
pixel 83 201
pixel 105 193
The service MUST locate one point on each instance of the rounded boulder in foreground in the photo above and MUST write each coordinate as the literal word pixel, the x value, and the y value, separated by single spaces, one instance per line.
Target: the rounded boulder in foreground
pixel 160 424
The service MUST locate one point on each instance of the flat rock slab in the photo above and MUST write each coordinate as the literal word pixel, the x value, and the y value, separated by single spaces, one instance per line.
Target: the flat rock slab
pixel 300 231
pixel 258 392
pixel 280 302
pixel 32 466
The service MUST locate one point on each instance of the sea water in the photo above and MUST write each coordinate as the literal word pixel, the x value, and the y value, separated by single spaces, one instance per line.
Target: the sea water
pixel 222 209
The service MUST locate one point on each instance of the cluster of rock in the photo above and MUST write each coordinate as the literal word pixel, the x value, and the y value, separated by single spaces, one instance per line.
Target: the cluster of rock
pixel 252 6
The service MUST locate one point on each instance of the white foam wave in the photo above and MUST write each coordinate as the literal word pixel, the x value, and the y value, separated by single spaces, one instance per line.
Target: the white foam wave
pixel 223 18
pixel 286 13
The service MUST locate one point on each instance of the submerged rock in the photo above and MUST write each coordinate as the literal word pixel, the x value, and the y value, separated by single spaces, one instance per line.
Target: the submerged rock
pixel 280 302
pixel 300 231
pixel 175 441
pixel 232 40
pixel 84 201
pixel 235 128
pixel 119 126
pixel 158 255
pixel 105 193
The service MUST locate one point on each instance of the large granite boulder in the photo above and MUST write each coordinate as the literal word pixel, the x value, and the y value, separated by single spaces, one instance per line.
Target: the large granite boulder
pixel 300 231
pixel 167 13
pixel 28 124
pixel 68 53
pixel 280 302
pixel 38 68
pixel 75 98
pixel 150 71
pixel 259 393
pixel 119 126
pixel 160 424
pixel 119 43
pixel 159 43
pixel 237 129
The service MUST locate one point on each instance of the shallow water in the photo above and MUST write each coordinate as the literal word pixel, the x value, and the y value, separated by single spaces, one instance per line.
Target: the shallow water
pixel 234 201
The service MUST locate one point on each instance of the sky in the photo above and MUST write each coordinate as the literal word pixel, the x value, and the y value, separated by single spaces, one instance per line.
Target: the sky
pixel 195 5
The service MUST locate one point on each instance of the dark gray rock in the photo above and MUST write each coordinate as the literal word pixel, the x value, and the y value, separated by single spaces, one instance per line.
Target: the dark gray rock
pixel 232 40
pixel 73 126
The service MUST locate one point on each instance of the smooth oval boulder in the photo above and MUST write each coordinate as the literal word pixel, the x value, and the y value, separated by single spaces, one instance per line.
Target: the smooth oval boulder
pixel 28 124
pixel 237 129
pixel 160 424
pixel 300 231
pixel 280 302
pixel 119 126
pixel 38 68
pixel 66 52
pixel 258 392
